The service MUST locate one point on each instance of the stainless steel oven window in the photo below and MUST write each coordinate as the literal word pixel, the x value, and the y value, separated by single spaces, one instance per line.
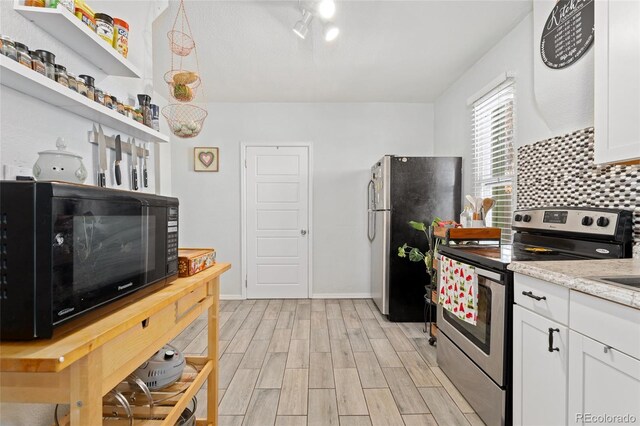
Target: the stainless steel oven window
pixel 479 334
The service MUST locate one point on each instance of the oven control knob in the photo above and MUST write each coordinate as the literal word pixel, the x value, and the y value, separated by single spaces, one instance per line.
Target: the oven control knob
pixel 602 221
pixel 517 217
pixel 587 221
pixel 526 218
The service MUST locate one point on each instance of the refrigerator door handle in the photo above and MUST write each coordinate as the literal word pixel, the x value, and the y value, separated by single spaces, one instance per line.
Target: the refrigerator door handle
pixel 370 212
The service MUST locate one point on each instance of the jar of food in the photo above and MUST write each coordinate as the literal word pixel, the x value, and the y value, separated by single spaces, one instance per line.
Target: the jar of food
pixel 121 36
pixel 9 48
pixel 145 102
pixel 23 54
pixel 73 83
pixel 138 116
pixel 34 3
pixel 104 27
pixel 108 100
pixel 128 111
pixel 120 107
pixel 61 75
pixel 85 14
pixel 99 96
pixel 49 60
pixel 155 117
pixel 82 87
pixel 37 63
pixel 69 4
pixel 90 83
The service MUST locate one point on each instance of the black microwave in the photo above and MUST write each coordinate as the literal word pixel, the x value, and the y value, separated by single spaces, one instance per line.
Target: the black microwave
pixel 68 249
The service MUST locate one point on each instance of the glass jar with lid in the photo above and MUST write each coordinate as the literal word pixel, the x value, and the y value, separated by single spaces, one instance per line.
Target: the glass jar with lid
pixel 9 48
pixel 73 83
pixel 90 84
pixel 82 87
pixel 37 64
pixel 23 54
pixel 49 60
pixel 120 107
pixel 61 75
pixel 99 96
pixel 108 100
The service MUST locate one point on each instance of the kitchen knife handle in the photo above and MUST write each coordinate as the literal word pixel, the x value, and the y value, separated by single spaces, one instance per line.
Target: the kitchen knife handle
pixel 135 179
pixel 102 180
pixel 118 174
pixel 145 178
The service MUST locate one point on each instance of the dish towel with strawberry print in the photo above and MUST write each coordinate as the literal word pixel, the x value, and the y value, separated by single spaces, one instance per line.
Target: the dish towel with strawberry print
pixel 458 292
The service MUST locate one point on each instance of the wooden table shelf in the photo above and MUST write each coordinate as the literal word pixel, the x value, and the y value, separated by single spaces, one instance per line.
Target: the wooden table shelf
pixel 68 368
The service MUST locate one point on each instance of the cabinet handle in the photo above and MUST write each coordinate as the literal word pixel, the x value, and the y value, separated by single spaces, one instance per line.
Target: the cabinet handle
pixel 551 348
pixel 533 296
pixel 607 349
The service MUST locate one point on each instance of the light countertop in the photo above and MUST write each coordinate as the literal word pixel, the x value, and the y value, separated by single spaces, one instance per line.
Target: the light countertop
pixel 575 274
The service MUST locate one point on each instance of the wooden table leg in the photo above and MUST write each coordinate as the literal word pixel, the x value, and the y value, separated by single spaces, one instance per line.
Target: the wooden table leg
pixel 85 393
pixel 213 324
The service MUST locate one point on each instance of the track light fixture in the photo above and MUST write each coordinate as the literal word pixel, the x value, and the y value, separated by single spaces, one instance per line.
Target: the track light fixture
pixel 301 28
pixel 325 9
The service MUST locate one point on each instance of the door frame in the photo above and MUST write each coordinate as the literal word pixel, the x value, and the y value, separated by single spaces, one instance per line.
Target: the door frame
pixel 243 208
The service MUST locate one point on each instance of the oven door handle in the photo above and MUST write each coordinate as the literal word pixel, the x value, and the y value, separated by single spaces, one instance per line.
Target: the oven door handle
pixel 488 274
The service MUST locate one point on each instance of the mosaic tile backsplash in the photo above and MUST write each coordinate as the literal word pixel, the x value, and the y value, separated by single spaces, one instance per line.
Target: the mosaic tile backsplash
pixel 561 172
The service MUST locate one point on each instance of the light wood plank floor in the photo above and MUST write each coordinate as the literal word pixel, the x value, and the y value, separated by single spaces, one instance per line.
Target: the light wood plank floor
pixel 324 362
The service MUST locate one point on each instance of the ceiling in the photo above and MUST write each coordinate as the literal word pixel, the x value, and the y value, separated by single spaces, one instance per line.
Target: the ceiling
pixel 387 51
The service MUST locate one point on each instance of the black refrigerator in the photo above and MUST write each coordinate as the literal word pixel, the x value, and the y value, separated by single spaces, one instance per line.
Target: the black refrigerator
pixel 402 189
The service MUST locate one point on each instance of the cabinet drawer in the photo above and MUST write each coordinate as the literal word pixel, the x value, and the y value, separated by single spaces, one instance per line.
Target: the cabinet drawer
pixel 547 299
pixel 607 322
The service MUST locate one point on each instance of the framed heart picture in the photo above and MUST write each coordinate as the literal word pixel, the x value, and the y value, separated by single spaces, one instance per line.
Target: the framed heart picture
pixel 205 159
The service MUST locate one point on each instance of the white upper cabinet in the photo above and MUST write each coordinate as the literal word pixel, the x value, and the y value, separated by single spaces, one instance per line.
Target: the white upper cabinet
pixel 617 81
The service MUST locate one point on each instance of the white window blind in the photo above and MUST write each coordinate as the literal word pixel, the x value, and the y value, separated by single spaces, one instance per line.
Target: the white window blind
pixel 493 156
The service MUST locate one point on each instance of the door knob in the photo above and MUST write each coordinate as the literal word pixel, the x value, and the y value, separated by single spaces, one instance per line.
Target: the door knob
pixel 303 232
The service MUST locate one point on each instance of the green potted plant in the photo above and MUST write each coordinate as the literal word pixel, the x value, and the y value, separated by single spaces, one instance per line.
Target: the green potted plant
pixel 428 256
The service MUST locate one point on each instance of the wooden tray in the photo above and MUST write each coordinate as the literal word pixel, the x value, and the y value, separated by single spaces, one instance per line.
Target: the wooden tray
pixel 467 234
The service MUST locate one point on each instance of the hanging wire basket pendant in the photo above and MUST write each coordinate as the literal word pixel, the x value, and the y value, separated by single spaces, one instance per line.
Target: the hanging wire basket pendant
pixel 185 120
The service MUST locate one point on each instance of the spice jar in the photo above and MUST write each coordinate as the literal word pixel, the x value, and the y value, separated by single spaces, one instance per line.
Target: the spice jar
pixel 120 107
pixel 145 102
pixel 49 60
pixel 138 116
pixel 104 27
pixel 37 64
pixel 108 100
pixel 99 96
pixel 34 3
pixel 61 75
pixel 82 87
pixel 23 54
pixel 85 14
pixel 9 48
pixel 121 36
pixel 90 83
pixel 73 83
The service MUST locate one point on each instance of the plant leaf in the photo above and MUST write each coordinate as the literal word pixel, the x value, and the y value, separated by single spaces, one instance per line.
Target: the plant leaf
pixel 401 252
pixel 415 255
pixel 419 226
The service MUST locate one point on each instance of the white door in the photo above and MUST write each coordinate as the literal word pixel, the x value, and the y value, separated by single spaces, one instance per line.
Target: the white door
pixel 602 380
pixel 277 219
pixel 539 376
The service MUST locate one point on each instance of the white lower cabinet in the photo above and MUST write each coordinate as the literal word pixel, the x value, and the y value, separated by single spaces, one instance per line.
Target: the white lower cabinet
pixel 539 369
pixel 604 383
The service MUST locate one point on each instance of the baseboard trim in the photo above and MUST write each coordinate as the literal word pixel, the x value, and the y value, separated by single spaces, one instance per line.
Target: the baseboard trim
pixel 231 297
pixel 341 296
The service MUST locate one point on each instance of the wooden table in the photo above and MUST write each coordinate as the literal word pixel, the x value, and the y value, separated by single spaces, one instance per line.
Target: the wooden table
pixel 79 366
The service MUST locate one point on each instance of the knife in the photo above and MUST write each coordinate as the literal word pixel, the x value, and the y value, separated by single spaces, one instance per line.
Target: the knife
pixel 145 179
pixel 102 158
pixel 118 160
pixel 134 164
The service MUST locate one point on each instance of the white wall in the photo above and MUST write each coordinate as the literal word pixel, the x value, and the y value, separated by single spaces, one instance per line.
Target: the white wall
pixel 28 125
pixel 517 52
pixel 347 139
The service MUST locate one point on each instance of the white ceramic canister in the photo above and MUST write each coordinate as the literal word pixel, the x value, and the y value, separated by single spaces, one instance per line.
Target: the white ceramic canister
pixel 59 165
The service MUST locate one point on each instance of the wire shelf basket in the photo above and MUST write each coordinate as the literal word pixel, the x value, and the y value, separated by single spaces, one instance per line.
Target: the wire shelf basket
pixel 185 120
pixel 183 85
pixel 180 43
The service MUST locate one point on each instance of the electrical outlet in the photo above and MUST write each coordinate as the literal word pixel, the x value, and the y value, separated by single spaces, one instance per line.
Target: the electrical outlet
pixel 11 171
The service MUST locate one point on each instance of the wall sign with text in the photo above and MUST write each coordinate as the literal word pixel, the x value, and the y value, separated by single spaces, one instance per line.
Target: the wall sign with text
pixel 568 33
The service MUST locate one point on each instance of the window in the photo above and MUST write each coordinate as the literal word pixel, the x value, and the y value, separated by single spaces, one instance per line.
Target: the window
pixel 493 156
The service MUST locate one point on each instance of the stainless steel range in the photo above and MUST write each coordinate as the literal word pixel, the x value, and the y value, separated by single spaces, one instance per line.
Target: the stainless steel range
pixel 477 358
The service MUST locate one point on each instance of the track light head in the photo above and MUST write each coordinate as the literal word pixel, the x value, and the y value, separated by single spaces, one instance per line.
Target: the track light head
pixel 301 28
